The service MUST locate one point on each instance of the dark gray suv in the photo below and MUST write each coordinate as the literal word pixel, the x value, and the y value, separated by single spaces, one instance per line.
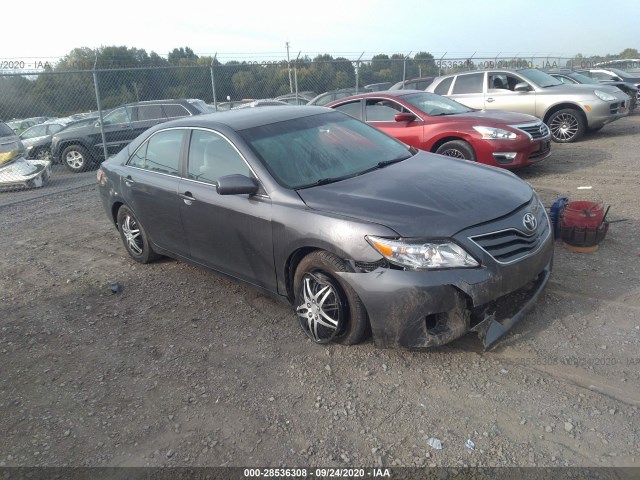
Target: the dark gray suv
pixel 77 149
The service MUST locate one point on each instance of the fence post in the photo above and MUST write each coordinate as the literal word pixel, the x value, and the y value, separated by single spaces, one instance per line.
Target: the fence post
pixel 213 83
pixel 358 72
pixel 95 84
pixel 295 74
pixel 440 64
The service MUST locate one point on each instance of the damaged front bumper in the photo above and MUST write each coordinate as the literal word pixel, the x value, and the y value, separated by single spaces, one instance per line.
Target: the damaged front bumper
pixel 25 173
pixel 417 310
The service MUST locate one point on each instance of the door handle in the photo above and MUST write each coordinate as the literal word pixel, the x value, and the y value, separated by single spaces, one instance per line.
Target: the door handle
pixel 489 99
pixel 187 197
pixel 129 181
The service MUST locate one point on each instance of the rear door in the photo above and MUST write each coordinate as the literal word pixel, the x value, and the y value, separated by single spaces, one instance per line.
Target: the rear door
pixel 150 187
pixel 468 89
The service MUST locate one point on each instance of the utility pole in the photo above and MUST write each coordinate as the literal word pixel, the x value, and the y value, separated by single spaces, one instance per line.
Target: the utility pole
pixel 289 65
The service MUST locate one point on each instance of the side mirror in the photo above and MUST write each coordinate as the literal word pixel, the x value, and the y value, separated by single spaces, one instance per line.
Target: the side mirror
pixel 404 117
pixel 97 124
pixel 236 185
pixel 521 87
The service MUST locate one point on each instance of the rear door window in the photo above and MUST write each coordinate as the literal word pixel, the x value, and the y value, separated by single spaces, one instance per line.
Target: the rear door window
pixel 173 110
pixel 471 83
pixel 150 112
pixel 161 153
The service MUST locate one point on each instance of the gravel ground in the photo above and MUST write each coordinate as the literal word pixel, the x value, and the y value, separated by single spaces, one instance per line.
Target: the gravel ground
pixel 185 368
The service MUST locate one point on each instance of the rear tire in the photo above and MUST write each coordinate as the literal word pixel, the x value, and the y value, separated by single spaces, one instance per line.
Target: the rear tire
pixel 328 309
pixel 134 237
pixel 457 149
pixel 76 158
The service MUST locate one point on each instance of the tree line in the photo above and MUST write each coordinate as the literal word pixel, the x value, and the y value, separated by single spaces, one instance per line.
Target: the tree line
pixel 130 74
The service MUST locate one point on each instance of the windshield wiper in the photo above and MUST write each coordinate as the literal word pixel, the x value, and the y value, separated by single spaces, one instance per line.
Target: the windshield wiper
pixel 384 163
pixel 393 160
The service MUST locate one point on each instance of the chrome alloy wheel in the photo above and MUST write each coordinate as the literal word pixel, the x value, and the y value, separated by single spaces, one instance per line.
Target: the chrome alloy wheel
pixel 132 234
pixel 564 126
pixel 74 159
pixel 320 310
pixel 453 152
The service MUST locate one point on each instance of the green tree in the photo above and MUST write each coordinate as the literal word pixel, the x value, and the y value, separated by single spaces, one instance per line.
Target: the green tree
pixel 629 53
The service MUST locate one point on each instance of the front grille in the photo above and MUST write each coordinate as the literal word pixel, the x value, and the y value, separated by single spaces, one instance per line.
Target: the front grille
pixel 511 245
pixel 545 146
pixel 617 106
pixel 536 130
pixel 371 266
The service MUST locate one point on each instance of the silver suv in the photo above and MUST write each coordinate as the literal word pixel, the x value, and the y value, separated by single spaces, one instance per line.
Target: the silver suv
pixel 568 110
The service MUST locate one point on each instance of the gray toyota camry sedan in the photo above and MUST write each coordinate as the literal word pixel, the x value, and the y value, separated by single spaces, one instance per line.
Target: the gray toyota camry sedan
pixel 360 233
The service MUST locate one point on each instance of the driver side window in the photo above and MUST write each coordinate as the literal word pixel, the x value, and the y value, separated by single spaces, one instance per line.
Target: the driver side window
pixel 118 116
pixel 211 156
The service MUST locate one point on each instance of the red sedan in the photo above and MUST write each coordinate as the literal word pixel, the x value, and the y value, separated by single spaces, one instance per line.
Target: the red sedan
pixel 438 124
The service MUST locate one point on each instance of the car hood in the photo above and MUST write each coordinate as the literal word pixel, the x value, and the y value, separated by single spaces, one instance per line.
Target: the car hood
pixel 583 88
pixel 35 140
pixel 426 195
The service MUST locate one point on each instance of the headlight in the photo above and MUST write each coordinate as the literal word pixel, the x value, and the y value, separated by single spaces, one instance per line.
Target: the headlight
pixel 604 96
pixel 492 133
pixel 416 254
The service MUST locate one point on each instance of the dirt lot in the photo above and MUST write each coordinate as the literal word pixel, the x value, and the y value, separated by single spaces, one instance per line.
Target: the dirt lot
pixel 186 368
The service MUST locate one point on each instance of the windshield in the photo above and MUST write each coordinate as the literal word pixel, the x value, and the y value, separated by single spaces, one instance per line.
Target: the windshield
pixel 6 131
pixel 322 149
pixel 435 105
pixel 621 73
pixel 540 78
pixel 583 78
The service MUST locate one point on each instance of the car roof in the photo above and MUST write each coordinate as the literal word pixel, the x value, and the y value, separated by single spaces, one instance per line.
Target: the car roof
pixel 382 93
pixel 244 118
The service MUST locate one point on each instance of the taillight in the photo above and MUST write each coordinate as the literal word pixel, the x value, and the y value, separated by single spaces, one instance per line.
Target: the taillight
pixel 101 177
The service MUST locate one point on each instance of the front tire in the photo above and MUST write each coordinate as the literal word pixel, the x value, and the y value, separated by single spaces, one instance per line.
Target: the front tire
pixel 44 154
pixel 76 158
pixel 457 149
pixel 328 309
pixel 566 125
pixel 134 237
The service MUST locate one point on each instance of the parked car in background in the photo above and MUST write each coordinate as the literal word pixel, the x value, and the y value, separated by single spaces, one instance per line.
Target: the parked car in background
pixel 19 126
pixel 568 110
pixel 222 106
pixel 613 74
pixel 15 170
pixel 266 102
pixel 378 87
pixel 37 139
pixel 78 148
pixel 570 77
pixel 440 125
pixel 300 98
pixel 413 84
pixel 357 230
pixel 327 97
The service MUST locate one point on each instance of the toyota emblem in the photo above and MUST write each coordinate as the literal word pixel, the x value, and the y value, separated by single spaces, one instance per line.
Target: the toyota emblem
pixel 529 221
pixel 543 129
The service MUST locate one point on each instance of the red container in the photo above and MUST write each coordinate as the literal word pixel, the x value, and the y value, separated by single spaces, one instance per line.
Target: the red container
pixel 582 214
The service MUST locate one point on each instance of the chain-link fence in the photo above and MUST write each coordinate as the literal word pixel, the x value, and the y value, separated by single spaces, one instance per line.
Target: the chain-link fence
pixel 74 103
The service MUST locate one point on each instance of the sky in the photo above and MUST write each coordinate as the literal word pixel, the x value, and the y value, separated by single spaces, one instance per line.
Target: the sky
pixel 260 30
